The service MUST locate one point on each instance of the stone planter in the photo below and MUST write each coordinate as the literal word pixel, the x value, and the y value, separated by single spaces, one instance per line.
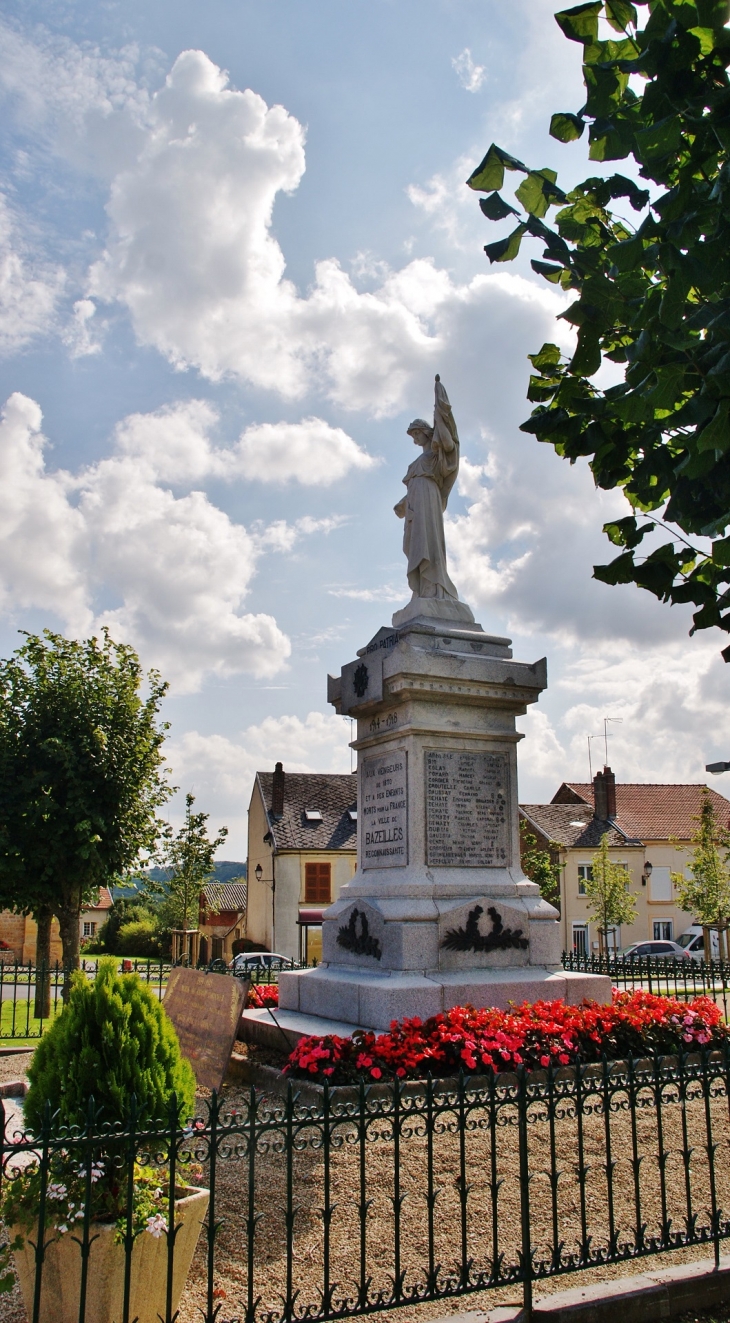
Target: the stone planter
pixel 61 1281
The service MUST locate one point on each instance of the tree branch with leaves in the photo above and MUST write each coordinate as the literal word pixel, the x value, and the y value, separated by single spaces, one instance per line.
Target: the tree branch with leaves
pixel 188 857
pixel 652 294
pixel 81 773
pixel 607 891
pixel 705 893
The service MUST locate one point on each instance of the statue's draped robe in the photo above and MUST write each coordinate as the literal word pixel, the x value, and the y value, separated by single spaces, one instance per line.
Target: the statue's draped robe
pixel 429 481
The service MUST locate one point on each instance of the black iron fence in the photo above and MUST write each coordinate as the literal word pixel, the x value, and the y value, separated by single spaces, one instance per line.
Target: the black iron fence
pixel 368 1199
pixel 667 976
pixel 25 1012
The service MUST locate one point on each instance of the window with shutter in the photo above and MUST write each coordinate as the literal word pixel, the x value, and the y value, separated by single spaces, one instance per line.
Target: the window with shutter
pixel 317 883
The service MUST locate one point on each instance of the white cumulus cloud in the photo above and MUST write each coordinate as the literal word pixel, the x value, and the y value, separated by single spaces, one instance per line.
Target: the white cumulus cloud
pixel 310 452
pixel 220 770
pixel 175 568
pixel 29 287
pixel 470 75
pixel 192 256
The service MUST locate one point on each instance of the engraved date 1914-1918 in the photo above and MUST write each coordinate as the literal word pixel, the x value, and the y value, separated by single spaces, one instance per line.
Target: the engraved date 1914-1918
pixel 386 722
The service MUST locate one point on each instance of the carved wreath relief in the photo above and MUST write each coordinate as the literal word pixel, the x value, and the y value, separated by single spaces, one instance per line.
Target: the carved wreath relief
pixel 469 938
pixel 359 940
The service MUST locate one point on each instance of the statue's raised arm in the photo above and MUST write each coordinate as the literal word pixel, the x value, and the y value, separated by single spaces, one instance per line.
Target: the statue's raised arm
pixel 445 442
pixel 428 482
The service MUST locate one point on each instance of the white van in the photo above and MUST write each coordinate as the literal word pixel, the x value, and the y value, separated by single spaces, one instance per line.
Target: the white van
pixel 693 941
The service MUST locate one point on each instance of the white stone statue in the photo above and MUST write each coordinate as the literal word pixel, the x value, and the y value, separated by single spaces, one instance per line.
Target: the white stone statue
pixel 429 481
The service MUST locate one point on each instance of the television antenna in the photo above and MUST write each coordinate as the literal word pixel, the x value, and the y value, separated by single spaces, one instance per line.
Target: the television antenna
pixel 605 733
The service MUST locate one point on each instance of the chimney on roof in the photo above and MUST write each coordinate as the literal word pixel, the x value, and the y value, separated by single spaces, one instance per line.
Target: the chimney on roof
pixel 604 795
pixel 277 792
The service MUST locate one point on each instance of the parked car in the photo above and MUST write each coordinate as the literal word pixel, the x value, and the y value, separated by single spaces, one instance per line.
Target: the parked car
pixel 693 942
pixel 661 950
pixel 246 961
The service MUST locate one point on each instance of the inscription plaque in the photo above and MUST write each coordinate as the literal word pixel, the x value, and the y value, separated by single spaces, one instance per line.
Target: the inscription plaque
pixel 467 814
pixel 384 810
pixel 205 1010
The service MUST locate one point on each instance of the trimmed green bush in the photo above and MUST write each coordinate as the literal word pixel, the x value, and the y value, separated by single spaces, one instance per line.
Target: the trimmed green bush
pixel 139 937
pixel 112 1040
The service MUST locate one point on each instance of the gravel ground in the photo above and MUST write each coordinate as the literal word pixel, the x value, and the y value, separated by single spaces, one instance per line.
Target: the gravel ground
pixel 488 1159
pixel 15 1067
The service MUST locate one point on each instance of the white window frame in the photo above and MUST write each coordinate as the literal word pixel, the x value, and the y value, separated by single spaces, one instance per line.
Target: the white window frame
pixel 89 928
pixel 663 923
pixel 583 872
pixel 582 928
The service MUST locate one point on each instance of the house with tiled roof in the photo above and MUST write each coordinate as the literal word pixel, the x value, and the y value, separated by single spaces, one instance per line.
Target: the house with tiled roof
pixel 302 848
pixel 19 931
pixel 221 919
pixel 650 829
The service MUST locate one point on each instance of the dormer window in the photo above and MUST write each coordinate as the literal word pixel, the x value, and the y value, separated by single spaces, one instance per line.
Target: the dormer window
pixel 352 814
pixel 312 815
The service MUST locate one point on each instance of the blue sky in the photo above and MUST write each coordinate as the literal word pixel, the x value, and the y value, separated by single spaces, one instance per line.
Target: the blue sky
pixel 235 247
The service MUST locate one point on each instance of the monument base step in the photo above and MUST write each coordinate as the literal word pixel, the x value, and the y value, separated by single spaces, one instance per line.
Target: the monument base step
pixel 361 999
pixel 282 1029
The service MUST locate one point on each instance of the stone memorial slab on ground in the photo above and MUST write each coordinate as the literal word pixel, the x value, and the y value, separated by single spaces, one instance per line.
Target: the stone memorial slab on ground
pixel 206 1010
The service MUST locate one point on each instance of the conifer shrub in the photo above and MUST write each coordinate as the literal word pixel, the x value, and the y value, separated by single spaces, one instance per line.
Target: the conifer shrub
pixel 112 1040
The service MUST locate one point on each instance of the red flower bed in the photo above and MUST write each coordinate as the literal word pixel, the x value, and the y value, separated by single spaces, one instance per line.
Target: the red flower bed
pixel 263 994
pixel 535 1035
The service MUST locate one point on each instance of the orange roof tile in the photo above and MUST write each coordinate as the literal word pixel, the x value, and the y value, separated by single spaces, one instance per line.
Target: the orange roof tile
pixel 652 812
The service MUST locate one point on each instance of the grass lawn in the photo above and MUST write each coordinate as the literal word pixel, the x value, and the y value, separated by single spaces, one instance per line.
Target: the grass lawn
pixel 18 1024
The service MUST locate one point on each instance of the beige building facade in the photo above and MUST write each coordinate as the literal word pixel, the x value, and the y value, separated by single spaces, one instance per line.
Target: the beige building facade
pixel 20 931
pixel 650 830
pixel 302 849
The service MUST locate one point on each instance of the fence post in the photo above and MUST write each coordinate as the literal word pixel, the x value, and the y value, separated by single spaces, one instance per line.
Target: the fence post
pixel 526 1254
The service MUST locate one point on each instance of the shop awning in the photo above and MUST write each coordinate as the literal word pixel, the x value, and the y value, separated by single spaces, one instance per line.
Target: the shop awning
pixel 311 916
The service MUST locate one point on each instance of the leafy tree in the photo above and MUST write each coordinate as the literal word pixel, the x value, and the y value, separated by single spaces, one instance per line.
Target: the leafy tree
pixel 706 892
pixel 139 937
pixel 189 861
pixel 125 910
pixel 80 773
pixel 652 295
pixel 606 888
pixel 540 866
pixel 113 1040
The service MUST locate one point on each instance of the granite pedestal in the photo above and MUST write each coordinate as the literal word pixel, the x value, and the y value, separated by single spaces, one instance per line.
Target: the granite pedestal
pixel 439 912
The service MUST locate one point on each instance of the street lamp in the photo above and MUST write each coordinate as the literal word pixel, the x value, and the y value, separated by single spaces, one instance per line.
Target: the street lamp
pixel 259 872
pixel 717 767
pixel 648 870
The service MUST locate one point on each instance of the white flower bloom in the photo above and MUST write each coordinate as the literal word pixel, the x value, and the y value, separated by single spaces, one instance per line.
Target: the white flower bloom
pixel 156 1225
pixel 57 1191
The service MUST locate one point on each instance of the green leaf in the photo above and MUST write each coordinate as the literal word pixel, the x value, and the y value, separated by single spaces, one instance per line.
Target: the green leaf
pixel 489 174
pixel 660 139
pixel 505 250
pixel 587 357
pixel 606 143
pixel 627 255
pixel 536 192
pixel 716 435
pixel 495 208
pixel 551 273
pixel 625 532
pixel 619 14
pixel 706 38
pixel 721 551
pixel 566 127
pixel 580 23
pixel 547 357
pixel 620 570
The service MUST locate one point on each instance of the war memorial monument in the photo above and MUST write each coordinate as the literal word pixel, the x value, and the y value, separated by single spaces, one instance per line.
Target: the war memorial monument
pixel 439 913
